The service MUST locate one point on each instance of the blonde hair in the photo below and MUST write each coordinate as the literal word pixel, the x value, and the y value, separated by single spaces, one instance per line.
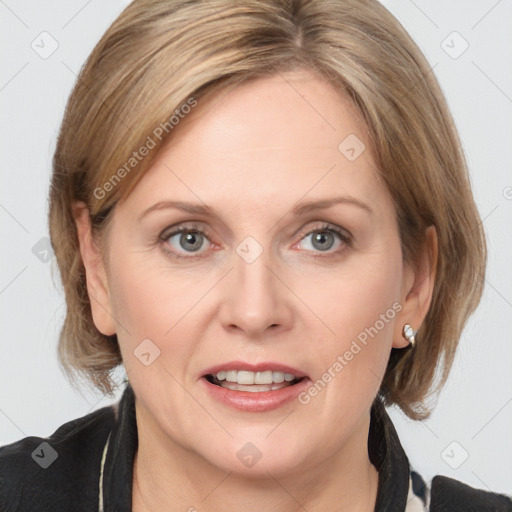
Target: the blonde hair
pixel 159 55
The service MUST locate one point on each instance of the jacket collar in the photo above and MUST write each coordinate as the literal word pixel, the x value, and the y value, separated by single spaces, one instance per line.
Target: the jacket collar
pixel 384 450
pixel 387 455
pixel 121 447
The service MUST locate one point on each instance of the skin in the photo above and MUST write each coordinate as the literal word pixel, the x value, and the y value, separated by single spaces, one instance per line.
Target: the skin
pixel 253 154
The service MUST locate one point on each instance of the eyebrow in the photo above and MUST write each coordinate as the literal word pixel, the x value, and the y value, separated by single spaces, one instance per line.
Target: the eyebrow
pixel 300 209
pixel 323 204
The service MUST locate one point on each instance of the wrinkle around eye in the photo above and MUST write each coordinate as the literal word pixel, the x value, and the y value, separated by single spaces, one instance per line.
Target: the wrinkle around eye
pixel 344 239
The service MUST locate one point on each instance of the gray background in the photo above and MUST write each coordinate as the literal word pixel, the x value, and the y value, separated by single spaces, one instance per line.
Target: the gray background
pixel 468 436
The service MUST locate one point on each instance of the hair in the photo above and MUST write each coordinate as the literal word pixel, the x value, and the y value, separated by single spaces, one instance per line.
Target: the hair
pixel 159 56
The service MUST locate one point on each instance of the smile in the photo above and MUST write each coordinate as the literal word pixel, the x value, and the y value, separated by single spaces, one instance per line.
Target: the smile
pixel 253 382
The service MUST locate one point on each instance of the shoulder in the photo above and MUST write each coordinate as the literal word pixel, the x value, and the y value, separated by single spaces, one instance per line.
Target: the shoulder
pixel 56 472
pixel 447 494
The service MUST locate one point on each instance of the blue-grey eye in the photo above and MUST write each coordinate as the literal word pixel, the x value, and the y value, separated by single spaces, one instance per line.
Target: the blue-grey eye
pixel 323 240
pixel 189 241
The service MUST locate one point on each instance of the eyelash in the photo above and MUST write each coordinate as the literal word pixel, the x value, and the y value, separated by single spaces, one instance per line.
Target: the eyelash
pixel 195 228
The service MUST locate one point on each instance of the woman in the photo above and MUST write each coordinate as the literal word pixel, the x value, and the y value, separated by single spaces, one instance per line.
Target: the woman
pixel 258 362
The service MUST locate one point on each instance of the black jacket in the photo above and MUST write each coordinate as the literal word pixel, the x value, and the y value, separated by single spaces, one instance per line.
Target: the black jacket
pixel 86 465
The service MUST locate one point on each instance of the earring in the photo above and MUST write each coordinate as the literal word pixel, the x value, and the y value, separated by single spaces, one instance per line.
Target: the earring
pixel 409 334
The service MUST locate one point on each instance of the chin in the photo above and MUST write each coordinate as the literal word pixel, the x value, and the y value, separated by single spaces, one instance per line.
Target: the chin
pixel 255 454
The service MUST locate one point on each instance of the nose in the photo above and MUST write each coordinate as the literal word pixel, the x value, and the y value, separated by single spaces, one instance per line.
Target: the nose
pixel 256 298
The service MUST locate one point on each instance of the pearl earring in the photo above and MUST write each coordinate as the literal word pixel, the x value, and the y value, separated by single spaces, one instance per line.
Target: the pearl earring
pixel 409 334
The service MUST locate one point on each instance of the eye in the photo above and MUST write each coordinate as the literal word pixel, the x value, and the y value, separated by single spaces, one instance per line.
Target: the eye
pixel 185 239
pixel 323 238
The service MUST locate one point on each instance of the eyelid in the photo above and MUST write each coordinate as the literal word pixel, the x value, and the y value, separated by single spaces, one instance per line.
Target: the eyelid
pixel 183 226
pixel 325 226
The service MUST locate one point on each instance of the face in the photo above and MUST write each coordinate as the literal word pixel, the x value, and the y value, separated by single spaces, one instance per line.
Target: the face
pixel 258 282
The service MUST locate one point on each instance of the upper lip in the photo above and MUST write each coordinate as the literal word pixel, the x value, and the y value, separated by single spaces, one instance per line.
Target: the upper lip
pixel 250 367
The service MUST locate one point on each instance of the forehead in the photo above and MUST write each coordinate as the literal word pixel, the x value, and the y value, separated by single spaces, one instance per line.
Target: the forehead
pixel 276 138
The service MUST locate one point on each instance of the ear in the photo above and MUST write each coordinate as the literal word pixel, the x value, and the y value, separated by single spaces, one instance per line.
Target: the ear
pixel 97 286
pixel 417 289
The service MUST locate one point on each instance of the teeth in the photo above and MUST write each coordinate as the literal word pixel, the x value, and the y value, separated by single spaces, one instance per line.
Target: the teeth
pixel 278 376
pixel 245 377
pixel 263 377
pixel 252 378
pixel 254 388
pixel 230 376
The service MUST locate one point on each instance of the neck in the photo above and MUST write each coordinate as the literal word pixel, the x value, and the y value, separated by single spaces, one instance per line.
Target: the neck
pixel 176 478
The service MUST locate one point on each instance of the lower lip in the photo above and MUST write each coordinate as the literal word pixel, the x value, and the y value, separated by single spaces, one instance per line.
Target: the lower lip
pixel 260 401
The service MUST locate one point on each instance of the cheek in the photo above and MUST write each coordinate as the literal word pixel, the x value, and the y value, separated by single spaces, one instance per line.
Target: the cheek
pixel 151 304
pixel 360 305
pixel 148 300
pixel 361 294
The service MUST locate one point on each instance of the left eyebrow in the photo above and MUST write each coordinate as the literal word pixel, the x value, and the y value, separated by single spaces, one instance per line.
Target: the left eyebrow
pixel 323 204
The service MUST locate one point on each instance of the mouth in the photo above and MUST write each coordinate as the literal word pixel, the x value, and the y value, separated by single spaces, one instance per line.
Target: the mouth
pixel 253 382
pixel 251 387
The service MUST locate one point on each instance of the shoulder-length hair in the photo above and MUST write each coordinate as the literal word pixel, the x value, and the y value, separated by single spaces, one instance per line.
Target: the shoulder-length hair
pixel 159 57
